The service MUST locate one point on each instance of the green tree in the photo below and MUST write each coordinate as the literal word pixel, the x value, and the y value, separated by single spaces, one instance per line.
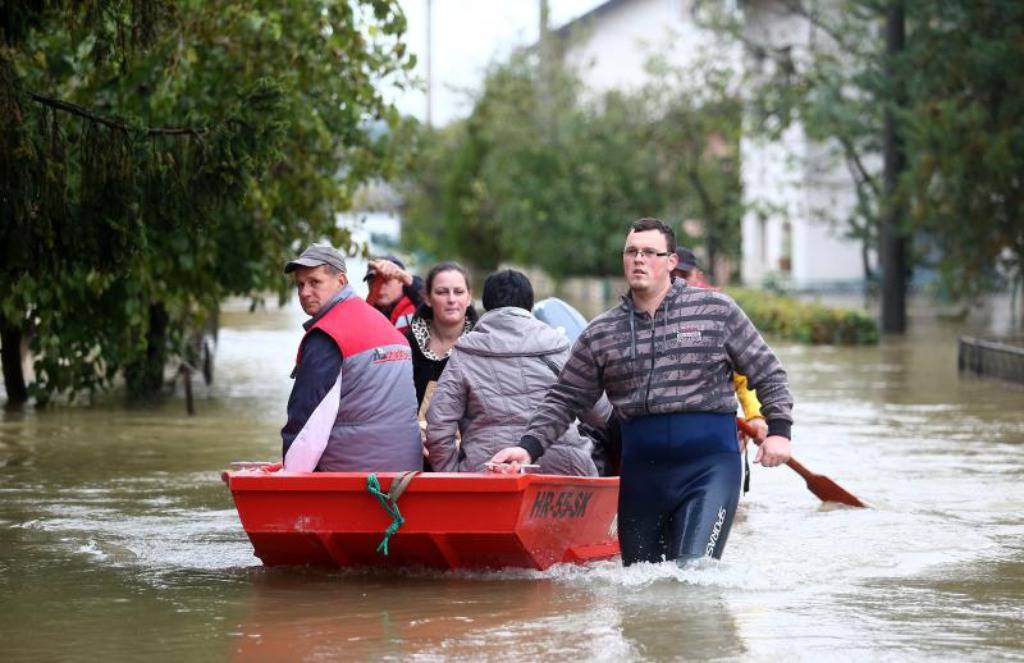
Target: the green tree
pixel 541 174
pixel 164 155
pixel 965 136
pixel 954 94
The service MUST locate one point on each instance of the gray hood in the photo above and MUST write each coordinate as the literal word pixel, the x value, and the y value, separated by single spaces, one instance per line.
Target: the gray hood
pixel 512 332
pixel 491 386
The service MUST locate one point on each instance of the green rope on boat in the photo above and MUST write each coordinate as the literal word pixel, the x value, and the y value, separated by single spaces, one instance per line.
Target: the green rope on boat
pixel 390 504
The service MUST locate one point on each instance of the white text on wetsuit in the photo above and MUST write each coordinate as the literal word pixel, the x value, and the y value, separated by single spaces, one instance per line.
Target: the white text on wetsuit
pixel 568 504
pixel 713 541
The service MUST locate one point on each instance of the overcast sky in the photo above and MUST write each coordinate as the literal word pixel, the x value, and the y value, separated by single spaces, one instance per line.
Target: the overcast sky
pixel 469 34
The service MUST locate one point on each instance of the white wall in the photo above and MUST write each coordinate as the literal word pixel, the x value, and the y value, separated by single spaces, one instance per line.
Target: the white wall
pixel 611 49
pixel 794 180
pixel 787 183
pixel 827 257
pixel 771 191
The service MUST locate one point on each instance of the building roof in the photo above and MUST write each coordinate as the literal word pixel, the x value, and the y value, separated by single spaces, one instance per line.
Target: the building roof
pixel 597 12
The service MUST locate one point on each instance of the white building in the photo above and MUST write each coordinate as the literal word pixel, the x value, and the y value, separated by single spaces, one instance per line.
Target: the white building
pixel 791 186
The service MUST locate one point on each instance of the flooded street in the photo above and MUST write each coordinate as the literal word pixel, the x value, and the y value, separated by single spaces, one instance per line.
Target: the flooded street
pixel 118 539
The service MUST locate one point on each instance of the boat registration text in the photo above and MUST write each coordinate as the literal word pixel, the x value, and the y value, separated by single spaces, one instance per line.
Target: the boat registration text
pixel 561 504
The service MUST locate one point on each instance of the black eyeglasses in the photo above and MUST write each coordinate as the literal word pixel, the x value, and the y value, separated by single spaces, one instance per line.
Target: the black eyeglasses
pixel 633 252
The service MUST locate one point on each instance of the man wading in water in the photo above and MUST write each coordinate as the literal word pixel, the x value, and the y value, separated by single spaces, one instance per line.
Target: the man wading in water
pixel 666 356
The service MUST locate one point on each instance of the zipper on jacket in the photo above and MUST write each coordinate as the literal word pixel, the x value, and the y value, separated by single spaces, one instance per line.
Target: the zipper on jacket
pixel 650 372
pixel 654 335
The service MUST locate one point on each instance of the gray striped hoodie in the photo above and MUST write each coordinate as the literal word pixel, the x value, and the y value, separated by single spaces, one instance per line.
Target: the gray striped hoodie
pixel 681 360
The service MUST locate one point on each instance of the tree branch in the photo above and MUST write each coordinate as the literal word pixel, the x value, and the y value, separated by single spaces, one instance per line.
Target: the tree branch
pixel 853 158
pixel 83 112
pixel 797 8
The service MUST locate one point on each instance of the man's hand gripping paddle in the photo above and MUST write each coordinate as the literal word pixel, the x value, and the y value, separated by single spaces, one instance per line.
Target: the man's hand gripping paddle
pixel 823 488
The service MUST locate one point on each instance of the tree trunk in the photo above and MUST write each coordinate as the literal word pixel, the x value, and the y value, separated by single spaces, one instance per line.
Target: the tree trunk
pixel 209 345
pixel 711 222
pixel 712 248
pixel 865 260
pixel 893 248
pixel 10 357
pixel 145 377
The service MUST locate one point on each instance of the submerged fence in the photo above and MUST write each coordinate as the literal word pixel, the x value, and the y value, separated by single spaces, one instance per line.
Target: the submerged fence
pixel 1000 358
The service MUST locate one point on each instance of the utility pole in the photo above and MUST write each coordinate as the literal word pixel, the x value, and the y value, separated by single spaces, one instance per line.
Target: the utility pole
pixel 546 56
pixel 430 73
pixel 893 249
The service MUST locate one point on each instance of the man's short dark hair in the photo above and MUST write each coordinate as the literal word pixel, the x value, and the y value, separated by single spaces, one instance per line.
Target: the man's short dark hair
pixel 508 288
pixel 648 223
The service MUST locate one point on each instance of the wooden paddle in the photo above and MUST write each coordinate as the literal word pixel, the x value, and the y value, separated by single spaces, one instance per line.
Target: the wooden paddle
pixel 824 488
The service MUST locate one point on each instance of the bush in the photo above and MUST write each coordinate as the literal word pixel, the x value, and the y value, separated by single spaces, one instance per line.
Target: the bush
pixel 803 321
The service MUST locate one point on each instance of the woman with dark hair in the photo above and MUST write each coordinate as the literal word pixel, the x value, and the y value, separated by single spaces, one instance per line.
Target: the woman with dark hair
pixel 496 377
pixel 445 315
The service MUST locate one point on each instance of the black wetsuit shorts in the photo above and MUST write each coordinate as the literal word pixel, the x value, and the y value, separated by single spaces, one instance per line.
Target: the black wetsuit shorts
pixel 679 486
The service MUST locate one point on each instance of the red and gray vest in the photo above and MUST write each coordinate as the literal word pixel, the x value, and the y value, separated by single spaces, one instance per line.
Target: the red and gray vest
pixel 375 429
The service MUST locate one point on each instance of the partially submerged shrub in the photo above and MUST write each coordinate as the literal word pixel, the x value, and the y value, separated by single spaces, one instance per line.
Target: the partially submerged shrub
pixel 805 321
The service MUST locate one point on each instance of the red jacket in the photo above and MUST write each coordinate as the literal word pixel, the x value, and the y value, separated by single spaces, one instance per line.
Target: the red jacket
pixel 401 314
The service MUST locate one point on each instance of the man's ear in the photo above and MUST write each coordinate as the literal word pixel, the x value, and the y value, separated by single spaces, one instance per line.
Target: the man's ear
pixel 344 279
pixel 673 260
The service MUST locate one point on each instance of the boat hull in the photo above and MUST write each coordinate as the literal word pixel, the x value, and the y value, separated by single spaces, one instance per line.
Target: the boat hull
pixel 452 521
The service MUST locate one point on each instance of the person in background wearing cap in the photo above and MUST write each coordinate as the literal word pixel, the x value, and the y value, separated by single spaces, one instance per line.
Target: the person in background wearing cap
pixel 688 270
pixel 394 292
pixel 352 407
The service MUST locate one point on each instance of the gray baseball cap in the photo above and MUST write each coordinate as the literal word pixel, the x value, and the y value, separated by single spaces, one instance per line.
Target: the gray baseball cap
pixel 687 261
pixel 314 256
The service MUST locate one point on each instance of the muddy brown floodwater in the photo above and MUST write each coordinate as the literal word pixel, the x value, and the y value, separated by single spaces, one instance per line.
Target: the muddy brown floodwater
pixel 118 540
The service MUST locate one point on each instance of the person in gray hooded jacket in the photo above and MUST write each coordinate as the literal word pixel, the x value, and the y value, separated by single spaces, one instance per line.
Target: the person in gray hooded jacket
pixel 496 377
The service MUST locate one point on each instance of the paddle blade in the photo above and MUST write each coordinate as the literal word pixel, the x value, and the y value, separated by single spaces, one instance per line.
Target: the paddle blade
pixel 824 489
pixel 828 490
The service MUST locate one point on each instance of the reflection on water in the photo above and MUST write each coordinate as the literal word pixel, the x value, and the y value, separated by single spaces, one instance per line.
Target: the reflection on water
pixel 604 612
pixel 365 614
pixel 118 540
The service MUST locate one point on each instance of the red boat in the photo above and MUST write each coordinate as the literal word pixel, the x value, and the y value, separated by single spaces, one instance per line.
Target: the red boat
pixel 451 521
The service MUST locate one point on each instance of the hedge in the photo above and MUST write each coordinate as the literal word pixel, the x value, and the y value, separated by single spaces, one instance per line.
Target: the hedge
pixel 804 321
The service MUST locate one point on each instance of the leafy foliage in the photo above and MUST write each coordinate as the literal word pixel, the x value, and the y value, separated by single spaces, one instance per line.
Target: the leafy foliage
pixel 957 95
pixel 965 129
pixel 805 322
pixel 540 174
pixel 164 155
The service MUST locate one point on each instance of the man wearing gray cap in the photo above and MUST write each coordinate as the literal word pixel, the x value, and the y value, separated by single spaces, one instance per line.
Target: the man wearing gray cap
pixel 688 270
pixel 353 404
